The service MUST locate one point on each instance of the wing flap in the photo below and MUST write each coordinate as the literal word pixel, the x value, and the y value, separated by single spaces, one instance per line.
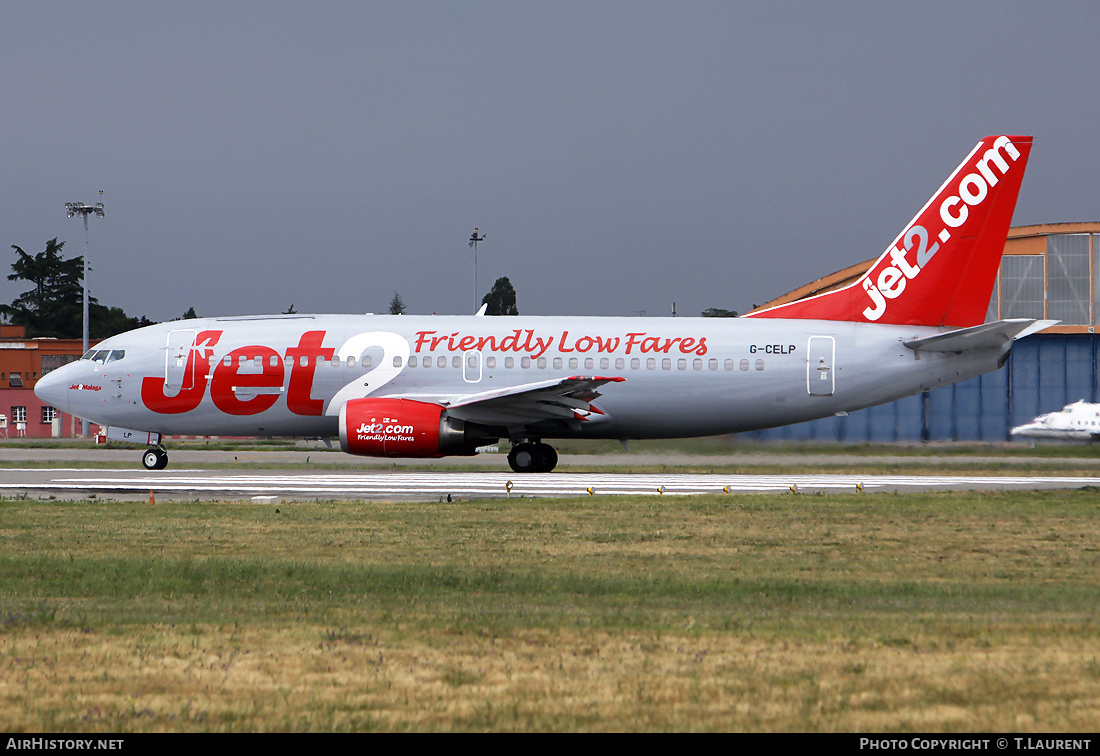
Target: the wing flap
pixel 553 399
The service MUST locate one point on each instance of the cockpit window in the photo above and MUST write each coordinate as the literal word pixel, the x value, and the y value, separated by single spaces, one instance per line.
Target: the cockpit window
pixel 89 354
pixel 101 355
pixel 116 354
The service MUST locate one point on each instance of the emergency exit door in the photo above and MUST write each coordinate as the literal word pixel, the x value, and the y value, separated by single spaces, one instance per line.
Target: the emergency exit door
pixel 471 366
pixel 179 371
pixel 821 354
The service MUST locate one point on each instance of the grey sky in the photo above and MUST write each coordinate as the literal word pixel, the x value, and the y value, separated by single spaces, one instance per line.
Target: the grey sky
pixel 619 155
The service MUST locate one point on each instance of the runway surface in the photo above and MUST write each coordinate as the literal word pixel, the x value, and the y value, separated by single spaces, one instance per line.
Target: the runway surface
pixel 264 486
pixel 192 476
pixel 320 458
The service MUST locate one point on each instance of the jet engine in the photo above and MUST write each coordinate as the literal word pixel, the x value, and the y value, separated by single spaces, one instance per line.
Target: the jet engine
pixel 406 428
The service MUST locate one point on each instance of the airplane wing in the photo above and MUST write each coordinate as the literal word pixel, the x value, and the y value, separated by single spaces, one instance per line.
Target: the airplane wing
pixel 555 399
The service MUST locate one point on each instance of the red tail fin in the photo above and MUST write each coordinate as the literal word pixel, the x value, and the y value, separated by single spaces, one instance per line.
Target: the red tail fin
pixel 941 268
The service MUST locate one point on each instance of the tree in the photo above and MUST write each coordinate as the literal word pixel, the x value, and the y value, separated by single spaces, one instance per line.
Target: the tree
pixel 718 312
pixel 397 305
pixel 190 314
pixel 501 299
pixel 107 321
pixel 54 307
pixel 291 311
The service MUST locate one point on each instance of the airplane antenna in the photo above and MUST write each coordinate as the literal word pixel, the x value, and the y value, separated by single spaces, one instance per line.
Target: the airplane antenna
pixel 79 208
pixel 474 239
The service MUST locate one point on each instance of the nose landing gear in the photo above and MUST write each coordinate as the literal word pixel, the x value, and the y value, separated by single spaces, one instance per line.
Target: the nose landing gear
pixel 155 458
pixel 532 456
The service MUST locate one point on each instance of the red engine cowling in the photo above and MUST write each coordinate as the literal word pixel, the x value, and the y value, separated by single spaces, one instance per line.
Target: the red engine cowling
pixel 403 428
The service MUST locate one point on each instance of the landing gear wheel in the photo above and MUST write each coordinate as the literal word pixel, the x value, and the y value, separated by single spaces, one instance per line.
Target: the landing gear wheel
pixel 154 459
pixel 548 457
pixel 530 457
pixel 523 459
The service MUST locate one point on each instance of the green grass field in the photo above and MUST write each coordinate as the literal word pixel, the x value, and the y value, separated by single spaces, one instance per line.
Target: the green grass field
pixel 923 612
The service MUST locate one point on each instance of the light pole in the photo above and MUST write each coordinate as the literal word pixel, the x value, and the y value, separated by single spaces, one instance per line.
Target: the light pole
pixel 474 239
pixel 79 208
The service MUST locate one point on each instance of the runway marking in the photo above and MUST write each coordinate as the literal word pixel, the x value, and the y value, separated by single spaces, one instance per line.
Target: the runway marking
pixel 430 485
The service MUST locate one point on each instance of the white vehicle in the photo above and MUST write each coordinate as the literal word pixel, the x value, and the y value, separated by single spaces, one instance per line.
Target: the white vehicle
pixel 412 386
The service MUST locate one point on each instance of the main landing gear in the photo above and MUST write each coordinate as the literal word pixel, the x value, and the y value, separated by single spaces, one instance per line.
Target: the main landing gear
pixel 532 456
pixel 155 458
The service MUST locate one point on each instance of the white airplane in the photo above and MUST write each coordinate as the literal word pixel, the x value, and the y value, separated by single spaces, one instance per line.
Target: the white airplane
pixel 412 386
pixel 1079 421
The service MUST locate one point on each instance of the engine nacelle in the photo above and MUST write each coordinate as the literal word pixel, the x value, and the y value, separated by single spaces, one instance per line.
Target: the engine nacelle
pixel 405 428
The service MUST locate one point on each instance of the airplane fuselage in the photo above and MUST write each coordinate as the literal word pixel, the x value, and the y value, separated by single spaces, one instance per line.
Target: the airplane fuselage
pixel 287 375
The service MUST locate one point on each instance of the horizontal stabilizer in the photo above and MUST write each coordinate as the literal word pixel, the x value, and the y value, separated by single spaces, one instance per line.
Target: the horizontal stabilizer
pixel 983 336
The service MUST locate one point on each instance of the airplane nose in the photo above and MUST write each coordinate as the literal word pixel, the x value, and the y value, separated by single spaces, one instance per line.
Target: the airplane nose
pixel 53 387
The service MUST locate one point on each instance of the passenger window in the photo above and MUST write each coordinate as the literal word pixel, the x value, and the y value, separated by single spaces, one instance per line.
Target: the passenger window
pixel 697 365
pixel 525 362
pixel 573 363
pixel 557 363
pixel 397 360
pixel 509 362
pixel 681 364
pixel 456 361
pixel 635 363
pixel 541 363
pixel 651 364
pixel 666 364
pixel 412 360
pixel 620 363
pixel 744 364
pixel 760 364
pixel 603 363
pixel 490 362
pixel 587 363
pixel 441 361
pixel 351 362
pixel 713 364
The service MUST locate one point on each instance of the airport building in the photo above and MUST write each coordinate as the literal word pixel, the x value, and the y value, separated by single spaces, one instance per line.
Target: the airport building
pixel 1050 271
pixel 22 362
